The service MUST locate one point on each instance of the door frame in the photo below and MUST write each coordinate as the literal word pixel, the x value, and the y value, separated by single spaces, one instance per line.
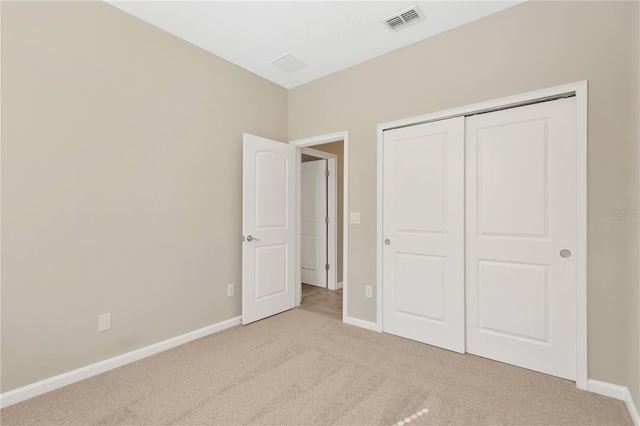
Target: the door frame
pixel 307 143
pixel 332 213
pixel 577 89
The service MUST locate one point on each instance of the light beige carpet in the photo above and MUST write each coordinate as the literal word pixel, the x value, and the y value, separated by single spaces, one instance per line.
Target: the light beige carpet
pixel 302 368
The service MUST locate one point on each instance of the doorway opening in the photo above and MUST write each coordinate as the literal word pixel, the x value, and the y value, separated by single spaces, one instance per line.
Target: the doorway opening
pixel 322 291
pixel 318 219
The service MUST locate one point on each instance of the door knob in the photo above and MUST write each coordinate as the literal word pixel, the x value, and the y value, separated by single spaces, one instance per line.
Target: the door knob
pixel 252 238
pixel 387 242
pixel 565 253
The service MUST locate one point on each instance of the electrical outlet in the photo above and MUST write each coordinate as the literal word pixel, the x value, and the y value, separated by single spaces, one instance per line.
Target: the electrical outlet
pixel 368 291
pixel 231 290
pixel 104 322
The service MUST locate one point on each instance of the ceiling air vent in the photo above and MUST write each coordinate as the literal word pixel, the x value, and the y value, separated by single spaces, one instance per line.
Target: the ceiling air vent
pixel 404 18
pixel 289 63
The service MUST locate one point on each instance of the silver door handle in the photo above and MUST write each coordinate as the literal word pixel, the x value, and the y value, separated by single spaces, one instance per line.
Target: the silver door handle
pixel 387 241
pixel 565 253
pixel 252 238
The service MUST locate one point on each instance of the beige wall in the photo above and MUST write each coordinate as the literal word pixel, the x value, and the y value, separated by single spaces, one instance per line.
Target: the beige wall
pixel 531 46
pixel 634 204
pixel 121 184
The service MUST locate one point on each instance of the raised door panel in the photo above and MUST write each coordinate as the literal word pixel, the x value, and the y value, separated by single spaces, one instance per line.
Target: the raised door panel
pixel 420 183
pixel 513 180
pixel 420 286
pixel 526 287
pixel 271 189
pixel 270 271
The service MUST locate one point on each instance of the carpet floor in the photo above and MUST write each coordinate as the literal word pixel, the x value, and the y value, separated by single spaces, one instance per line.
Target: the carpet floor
pixel 302 368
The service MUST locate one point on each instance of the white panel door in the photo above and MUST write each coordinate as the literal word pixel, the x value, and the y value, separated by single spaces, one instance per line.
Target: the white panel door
pixel 268 228
pixel 521 215
pixel 313 211
pixel 423 227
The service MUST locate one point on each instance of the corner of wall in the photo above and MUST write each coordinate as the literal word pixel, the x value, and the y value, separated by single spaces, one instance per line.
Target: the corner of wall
pixel 634 299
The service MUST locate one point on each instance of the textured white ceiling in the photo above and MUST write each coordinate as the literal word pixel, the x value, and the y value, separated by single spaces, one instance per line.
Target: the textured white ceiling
pixel 326 35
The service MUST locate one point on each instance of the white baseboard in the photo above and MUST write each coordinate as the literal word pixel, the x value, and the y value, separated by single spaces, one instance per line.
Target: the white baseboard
pixel 64 379
pixel 361 323
pixel 633 410
pixel 339 285
pixel 618 392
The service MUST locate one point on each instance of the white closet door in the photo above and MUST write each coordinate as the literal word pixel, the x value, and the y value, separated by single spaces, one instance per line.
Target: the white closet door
pixel 520 230
pixel 423 227
pixel 313 212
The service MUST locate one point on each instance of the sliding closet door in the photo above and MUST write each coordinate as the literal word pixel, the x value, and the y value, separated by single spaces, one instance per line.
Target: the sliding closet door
pixel 520 235
pixel 423 228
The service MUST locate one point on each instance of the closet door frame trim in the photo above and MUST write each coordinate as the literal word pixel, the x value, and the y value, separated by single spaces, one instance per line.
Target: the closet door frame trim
pixel 579 91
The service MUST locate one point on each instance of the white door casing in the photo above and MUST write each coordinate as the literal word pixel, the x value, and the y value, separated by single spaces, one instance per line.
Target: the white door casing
pixel 268 228
pixel 313 212
pixel 520 214
pixel 303 146
pixel 423 228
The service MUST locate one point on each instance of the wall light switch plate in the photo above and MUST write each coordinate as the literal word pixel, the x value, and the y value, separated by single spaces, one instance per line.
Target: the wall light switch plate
pixel 368 291
pixel 354 217
pixel 104 322
pixel 231 290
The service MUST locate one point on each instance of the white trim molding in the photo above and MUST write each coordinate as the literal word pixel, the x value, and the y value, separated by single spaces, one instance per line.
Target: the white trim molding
pixel 618 392
pixel 361 323
pixel 47 385
pixel 582 349
pixel 579 90
pixel 319 140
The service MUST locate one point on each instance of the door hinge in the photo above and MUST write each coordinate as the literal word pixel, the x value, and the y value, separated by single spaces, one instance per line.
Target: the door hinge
pixel 327 267
pixel 326 219
pixel 326 173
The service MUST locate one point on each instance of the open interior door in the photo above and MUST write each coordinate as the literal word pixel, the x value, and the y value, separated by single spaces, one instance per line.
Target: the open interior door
pixel 268 228
pixel 314 220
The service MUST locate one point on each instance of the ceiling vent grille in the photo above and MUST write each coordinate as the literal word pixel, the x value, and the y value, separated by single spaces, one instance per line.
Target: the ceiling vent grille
pixel 404 18
pixel 289 63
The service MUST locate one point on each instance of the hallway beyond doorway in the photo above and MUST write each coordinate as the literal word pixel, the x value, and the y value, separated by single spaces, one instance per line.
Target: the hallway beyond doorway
pixel 322 301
